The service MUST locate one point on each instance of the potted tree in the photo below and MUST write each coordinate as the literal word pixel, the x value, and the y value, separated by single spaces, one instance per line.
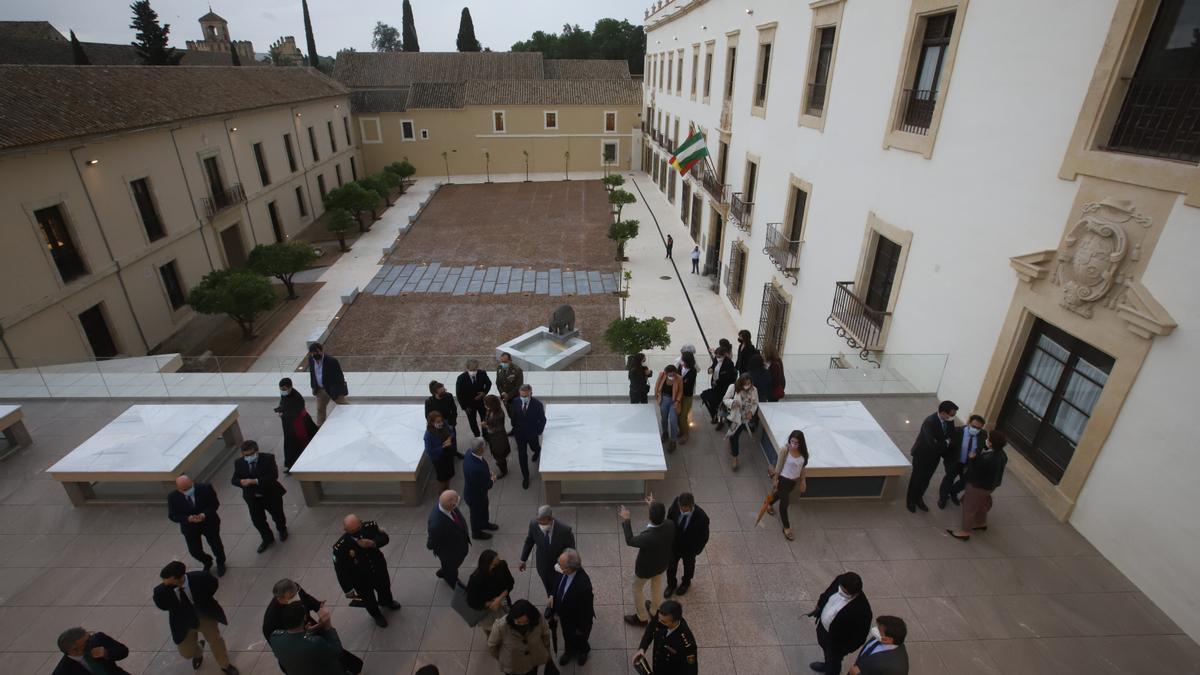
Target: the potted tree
pixel 282 261
pixel 240 293
pixel 620 199
pixel 339 222
pixel 631 335
pixel 354 199
pixel 613 181
pixel 621 232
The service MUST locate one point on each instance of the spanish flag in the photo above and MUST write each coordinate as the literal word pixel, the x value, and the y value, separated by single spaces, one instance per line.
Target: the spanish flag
pixel 689 153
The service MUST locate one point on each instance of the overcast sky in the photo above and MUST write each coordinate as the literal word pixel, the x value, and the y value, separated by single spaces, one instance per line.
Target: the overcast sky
pixel 336 23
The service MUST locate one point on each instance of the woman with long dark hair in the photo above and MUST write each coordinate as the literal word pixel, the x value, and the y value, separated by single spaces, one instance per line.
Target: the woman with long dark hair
pixel 985 471
pixel 639 374
pixel 440 445
pixel 521 640
pixel 298 425
pixel 788 475
pixel 489 587
pixel 775 367
pixel 494 432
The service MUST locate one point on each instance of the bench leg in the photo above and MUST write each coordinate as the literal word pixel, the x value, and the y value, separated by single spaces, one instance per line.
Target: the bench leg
pixel 890 487
pixel 233 435
pixel 18 435
pixel 312 492
pixel 79 493
pixel 410 492
pixel 553 492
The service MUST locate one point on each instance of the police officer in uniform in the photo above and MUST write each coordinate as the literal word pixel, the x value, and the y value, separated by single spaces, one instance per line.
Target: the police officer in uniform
pixel 361 569
pixel 674 644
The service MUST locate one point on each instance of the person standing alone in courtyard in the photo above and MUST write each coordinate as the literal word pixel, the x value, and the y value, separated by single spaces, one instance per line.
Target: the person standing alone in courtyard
pixel 257 474
pixel 670 245
pixel 327 380
pixel 298 425
pixel 696 260
pixel 788 476
pixel 477 480
pixel 447 536
pixel 691 536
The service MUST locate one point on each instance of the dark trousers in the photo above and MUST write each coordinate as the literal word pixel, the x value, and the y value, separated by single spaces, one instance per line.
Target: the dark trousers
pixel 695 266
pixel 473 419
pixel 689 568
pixel 196 549
pixel 954 481
pixel 923 469
pixel 833 660
pixel 712 401
pixel 375 594
pixel 547 577
pixel 478 507
pixel 524 445
pixel 260 507
pixel 575 637
pixel 733 440
pixel 783 495
pixel 449 569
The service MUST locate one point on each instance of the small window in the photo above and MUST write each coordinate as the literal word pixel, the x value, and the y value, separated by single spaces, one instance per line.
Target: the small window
pixel 353 169
pixel 406 130
pixel 882 275
pixel 147 209
pixel 312 143
pixel 679 74
pixel 300 202
pixel 291 155
pixel 170 278
pixel 332 139
pixel 369 130
pixel 276 226
pixel 695 69
pixel 610 121
pixel 609 155
pixel 730 64
pixel 764 72
pixel 424 134
pixel 550 119
pixel 919 102
pixel 708 64
pixel 260 159
pixel 346 129
pixel 337 169
pixel 498 121
pixel 670 70
pixel 815 96
pixel 57 238
pixel 321 186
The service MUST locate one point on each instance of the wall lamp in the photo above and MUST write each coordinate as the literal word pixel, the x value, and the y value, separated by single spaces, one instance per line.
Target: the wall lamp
pixel 92 162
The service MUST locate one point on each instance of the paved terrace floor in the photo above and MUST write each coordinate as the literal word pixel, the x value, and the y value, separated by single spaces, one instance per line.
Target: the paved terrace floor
pixel 1028 597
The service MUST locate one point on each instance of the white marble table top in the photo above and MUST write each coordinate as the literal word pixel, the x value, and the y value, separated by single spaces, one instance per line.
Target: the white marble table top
pixel 840 434
pixel 365 442
pixel 6 410
pixel 147 442
pixel 584 440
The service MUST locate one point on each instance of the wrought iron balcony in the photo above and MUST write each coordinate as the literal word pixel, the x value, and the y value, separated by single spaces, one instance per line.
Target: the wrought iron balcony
pixel 783 252
pixel 230 196
pixel 740 211
pixel 916 112
pixel 713 186
pixel 815 103
pixel 856 323
pixel 1159 118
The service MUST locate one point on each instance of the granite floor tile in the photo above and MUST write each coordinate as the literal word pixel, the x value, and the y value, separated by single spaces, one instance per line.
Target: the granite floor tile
pixel 748 624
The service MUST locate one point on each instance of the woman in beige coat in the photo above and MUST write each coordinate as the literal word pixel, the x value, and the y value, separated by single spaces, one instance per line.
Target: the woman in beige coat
pixel 668 395
pixel 741 400
pixel 521 640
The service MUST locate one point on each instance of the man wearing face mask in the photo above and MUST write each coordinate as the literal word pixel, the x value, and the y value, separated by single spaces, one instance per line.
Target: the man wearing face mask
pixel 258 476
pixel 931 446
pixel 287 592
pixel 691 536
pixel 884 653
pixel 549 537
pixel 361 568
pixel 471 388
pixel 443 402
pixel 298 425
pixel 963 442
pixel 194 507
pixel 843 618
pixel 573 603
pixel 509 379
pixel 529 421
pixel 327 380
pixel 675 651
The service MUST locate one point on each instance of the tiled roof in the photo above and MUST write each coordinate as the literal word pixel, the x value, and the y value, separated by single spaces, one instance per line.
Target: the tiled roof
pixel 392 69
pixel 40 30
pixel 379 100
pixel 437 95
pixel 552 92
pixel 42 104
pixel 585 69
pixel 51 52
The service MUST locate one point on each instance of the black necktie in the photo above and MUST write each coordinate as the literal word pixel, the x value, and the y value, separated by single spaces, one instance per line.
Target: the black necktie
pixel 547 541
pixel 185 603
pixel 562 588
pixel 191 502
pixel 683 521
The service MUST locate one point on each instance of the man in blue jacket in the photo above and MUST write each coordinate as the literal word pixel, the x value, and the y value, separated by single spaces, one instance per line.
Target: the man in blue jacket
pixel 477 480
pixel 529 421
pixel 327 380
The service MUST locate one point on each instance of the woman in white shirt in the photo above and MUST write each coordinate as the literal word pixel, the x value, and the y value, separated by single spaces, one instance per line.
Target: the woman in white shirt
pixel 789 474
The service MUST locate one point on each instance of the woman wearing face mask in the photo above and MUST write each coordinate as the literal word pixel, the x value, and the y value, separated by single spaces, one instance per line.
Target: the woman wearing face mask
pixel 985 471
pixel 774 366
pixel 638 376
pixel 298 425
pixel 494 432
pixel 521 640
pixel 668 394
pixel 741 400
pixel 440 445
pixel 489 586
pixel 788 475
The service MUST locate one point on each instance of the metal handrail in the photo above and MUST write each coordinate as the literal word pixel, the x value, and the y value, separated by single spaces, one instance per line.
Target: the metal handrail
pixel 740 211
pixel 917 112
pixel 224 199
pixel 783 252
pixel 861 325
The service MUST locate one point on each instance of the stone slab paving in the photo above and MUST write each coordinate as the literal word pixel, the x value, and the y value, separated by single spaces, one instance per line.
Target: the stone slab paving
pixel 392 280
pixel 1029 597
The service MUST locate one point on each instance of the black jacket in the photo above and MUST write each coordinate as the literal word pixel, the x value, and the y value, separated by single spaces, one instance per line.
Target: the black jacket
pixel 483 588
pixel 207 503
pixel 654 548
pixel 466 391
pixel 986 471
pixel 331 375
pixel 115 651
pixel 444 405
pixel 933 439
pixel 849 628
pixel 954 448
pixel 202 587
pixel 357 567
pixel 477 480
pixel 273 617
pixel 744 352
pixel 689 383
pixel 692 540
pixel 723 376
pixel 674 654
pixel 267 473
pixel 561 538
pixel 447 539
pixel 891 662
pixel 576 607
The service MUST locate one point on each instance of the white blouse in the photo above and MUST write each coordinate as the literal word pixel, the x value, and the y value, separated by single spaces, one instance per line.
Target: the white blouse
pixel 792 466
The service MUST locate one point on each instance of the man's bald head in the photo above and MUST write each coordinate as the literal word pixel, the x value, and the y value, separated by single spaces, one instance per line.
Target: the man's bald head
pixel 183 483
pixel 351 523
pixel 448 499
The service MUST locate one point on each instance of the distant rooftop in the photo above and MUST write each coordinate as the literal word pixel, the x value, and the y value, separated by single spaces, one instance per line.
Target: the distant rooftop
pixel 40 30
pixel 52 52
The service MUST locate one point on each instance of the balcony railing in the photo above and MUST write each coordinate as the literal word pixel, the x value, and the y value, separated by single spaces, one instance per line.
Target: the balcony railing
pixel 740 211
pixel 917 110
pixel 783 252
pixel 224 199
pixel 1159 118
pixel 713 186
pixel 856 323
pixel 815 105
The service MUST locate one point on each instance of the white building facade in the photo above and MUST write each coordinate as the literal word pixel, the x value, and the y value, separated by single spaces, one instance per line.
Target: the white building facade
pixel 1011 183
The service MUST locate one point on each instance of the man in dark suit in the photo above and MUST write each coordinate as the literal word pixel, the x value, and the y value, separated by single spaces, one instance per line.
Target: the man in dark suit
pixel 194 507
pixel 843 618
pixel 884 653
pixel 550 537
pixel 675 649
pixel 928 450
pixel 257 474
pixel 471 387
pixel 691 536
pixel 287 592
pixel 573 602
pixel 192 610
pixel 529 421
pixel 361 568
pixel 723 374
pixel 86 653
pixel 477 480
pixel 327 380
pixel 654 554
pixel 963 441
pixel 448 538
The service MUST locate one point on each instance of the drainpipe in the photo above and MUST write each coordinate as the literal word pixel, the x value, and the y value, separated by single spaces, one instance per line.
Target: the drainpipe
pixel 238 173
pixel 192 198
pixel 108 248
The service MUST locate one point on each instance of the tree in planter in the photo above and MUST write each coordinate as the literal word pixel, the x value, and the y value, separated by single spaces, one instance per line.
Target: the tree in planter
pixel 238 292
pixel 378 184
pixel 354 199
pixel 404 169
pixel 621 232
pixel 620 199
pixel 613 181
pixel 632 335
pixel 282 261
pixel 339 222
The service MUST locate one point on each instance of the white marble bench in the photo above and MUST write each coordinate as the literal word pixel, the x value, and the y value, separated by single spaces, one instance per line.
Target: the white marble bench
pixel 149 444
pixel 365 453
pixel 12 422
pixel 600 452
pixel 850 455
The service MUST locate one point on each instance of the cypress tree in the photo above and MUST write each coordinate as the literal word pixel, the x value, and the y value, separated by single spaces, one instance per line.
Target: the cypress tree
pixel 81 58
pixel 409 30
pixel 313 61
pixel 237 60
pixel 466 33
pixel 151 37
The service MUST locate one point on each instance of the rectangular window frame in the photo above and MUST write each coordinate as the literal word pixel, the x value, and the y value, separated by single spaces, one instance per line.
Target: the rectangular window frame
pixel 156 229
pixel 260 161
pixel 332 137
pixel 613 143
pixel 353 169
pixel 710 49
pixel 825 14
pixel 610 114
pixel 337 171
pixel 679 74
pixel 290 152
pixel 69 230
pixel 764 51
pixel 408 131
pixel 312 144
pixel 370 123
pixel 346 130
pixel 173 288
pixel 695 70
pixel 322 188
pixel 546 120
pixel 729 82
pixel 301 202
pixel 499 122
pixel 877 227
pixel 276 222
